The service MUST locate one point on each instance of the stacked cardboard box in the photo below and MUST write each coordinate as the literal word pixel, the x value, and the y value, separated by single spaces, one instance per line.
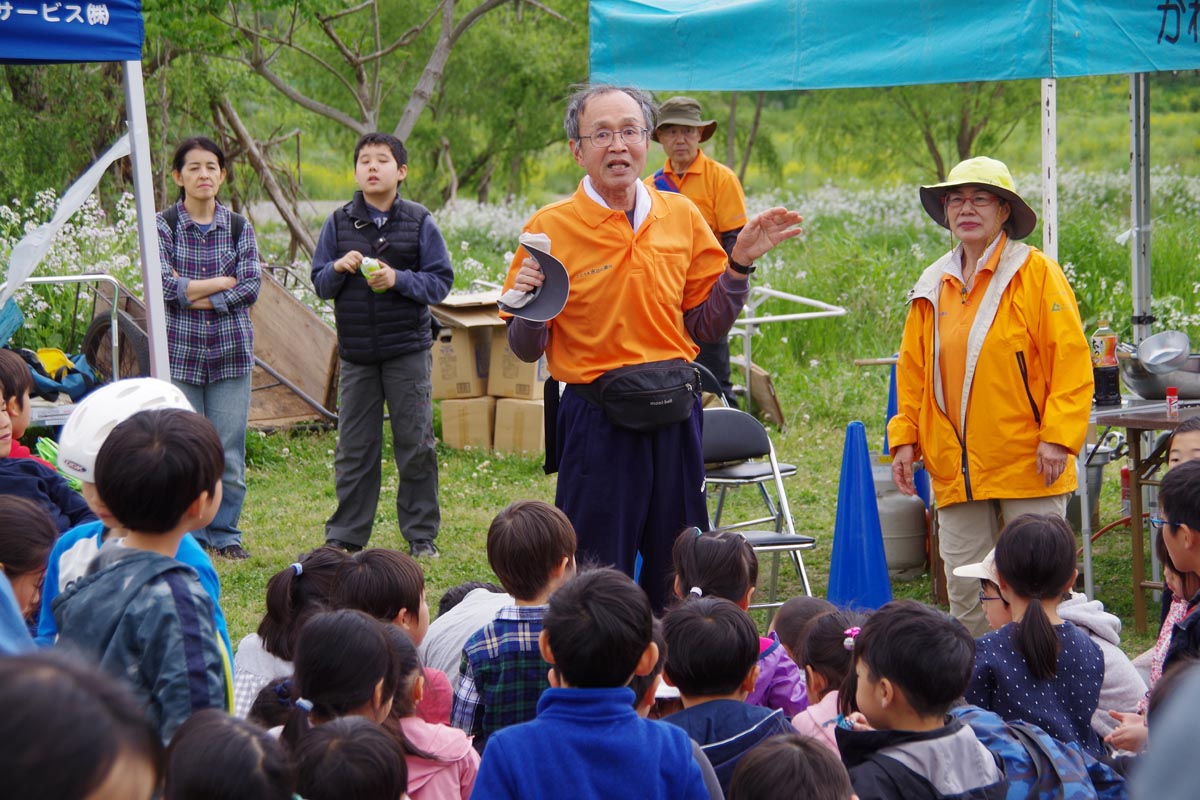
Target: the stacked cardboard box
pixel 472 368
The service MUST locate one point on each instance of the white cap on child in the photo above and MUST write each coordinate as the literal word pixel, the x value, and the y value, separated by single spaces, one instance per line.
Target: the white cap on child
pixel 104 409
pixel 983 570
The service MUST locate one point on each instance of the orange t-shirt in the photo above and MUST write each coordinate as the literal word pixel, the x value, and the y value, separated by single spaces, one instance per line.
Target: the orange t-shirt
pixel 715 190
pixel 956 315
pixel 629 288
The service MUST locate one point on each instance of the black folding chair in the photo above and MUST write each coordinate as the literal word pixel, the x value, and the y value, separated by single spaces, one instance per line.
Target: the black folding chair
pixel 738 452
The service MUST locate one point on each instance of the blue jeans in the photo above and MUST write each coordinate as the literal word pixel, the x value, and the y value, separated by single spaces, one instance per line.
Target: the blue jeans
pixel 227 405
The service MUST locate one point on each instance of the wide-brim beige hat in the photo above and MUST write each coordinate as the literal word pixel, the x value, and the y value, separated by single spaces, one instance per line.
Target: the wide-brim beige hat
pixel 984 570
pixel 991 175
pixel 684 111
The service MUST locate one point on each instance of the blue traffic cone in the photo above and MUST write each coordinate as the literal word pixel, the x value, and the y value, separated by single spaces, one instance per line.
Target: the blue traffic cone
pixel 893 405
pixel 858 576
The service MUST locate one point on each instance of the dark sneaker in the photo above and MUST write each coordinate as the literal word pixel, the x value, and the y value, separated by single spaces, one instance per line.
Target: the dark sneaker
pixel 422 548
pixel 340 545
pixel 234 552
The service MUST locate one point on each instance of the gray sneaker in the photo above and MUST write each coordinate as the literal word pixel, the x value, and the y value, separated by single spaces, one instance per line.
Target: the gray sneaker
pixel 423 548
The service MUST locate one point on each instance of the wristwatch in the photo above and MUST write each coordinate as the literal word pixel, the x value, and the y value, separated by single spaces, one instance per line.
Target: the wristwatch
pixel 741 269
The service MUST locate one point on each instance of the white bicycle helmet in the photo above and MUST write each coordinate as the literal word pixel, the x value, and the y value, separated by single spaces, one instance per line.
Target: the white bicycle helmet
pixel 104 409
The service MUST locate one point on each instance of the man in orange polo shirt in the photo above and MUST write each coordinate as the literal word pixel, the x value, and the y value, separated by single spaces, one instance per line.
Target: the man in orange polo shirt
pixel 647 276
pixel 711 185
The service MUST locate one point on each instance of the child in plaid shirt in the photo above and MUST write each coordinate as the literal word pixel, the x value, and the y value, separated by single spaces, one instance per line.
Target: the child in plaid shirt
pixel 531 548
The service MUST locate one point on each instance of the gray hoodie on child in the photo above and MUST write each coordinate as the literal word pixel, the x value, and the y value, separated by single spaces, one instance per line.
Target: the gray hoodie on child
pixel 1123 686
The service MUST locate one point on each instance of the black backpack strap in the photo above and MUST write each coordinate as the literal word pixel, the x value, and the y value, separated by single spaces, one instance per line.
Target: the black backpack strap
pixel 170 215
pixel 237 223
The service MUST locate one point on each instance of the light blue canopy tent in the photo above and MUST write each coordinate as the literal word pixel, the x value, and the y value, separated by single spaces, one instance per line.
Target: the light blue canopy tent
pixel 77 31
pixel 772 45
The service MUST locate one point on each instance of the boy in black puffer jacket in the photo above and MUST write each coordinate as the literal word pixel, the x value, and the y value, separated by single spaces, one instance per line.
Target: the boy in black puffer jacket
pixel 383 261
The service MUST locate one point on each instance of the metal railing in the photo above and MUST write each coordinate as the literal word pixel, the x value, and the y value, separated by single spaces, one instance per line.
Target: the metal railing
pixel 747 326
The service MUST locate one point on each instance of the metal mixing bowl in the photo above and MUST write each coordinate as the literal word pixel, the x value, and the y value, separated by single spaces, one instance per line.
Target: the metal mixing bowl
pixel 1164 352
pixel 1150 386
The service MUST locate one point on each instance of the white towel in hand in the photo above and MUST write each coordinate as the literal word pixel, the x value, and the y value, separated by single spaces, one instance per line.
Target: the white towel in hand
pixel 514 298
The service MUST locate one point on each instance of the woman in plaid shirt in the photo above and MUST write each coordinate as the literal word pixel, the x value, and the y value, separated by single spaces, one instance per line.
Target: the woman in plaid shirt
pixel 210 279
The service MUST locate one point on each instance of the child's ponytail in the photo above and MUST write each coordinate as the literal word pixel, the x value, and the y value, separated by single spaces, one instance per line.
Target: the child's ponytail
pixel 406 670
pixel 1035 556
pixel 298 721
pixel 1038 642
pixel 828 645
pixel 714 564
pixel 295 593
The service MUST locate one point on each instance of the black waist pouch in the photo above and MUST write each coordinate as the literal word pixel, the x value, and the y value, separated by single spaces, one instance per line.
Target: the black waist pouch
pixel 645 397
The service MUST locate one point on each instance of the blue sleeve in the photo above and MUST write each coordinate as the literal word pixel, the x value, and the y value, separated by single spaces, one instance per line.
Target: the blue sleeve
pixel 47 631
pixel 70 502
pixel 191 553
pixel 14 636
pixel 327 281
pixel 430 282
pixel 494 779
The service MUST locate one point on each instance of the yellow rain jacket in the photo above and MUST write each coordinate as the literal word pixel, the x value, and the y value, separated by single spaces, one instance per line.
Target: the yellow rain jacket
pixel 1028 380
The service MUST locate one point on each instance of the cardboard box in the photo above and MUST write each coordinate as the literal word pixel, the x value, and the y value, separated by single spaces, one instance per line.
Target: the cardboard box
pixel 462 351
pixel 509 376
pixel 460 362
pixel 468 423
pixel 469 310
pixel 519 427
pixel 762 391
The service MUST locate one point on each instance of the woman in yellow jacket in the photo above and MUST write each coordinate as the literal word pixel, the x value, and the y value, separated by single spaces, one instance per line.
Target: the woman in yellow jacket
pixel 994 380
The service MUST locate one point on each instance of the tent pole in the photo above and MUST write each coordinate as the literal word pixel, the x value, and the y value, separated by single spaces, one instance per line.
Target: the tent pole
pixel 1050 168
pixel 1139 174
pixel 143 194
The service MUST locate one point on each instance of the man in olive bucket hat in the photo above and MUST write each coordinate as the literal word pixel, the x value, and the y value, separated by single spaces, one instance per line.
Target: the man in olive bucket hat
pixel 711 185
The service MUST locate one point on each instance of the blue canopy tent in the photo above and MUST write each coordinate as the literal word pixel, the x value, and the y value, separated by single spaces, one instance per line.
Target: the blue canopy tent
pixel 830 44
pixel 770 45
pixel 77 31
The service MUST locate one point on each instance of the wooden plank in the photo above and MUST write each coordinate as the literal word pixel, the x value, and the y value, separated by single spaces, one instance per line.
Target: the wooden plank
pixel 279 423
pixel 292 338
pixel 271 400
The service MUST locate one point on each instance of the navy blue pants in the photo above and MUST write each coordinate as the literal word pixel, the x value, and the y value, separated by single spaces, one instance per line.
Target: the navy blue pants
pixel 628 492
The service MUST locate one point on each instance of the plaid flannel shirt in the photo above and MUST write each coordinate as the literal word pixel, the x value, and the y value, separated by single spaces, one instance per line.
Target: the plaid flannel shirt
pixel 209 345
pixel 502 674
